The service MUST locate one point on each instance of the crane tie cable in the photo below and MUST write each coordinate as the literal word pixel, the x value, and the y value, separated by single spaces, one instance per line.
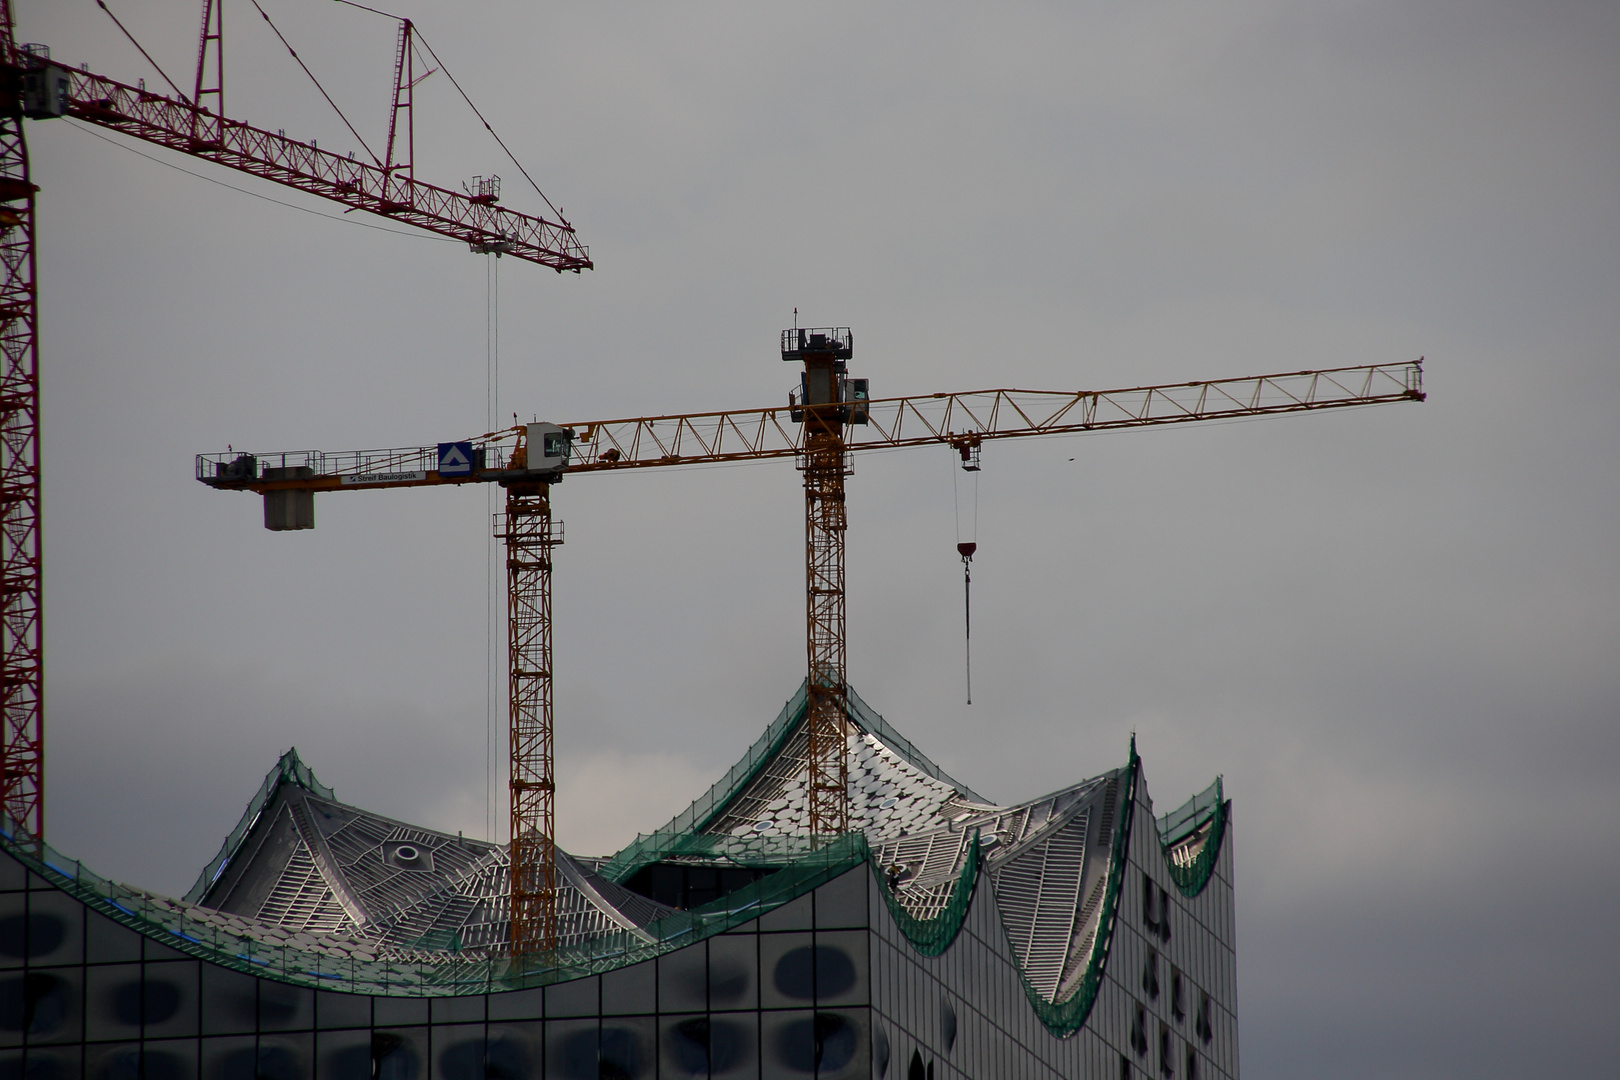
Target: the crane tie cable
pixel 318 86
pixel 102 4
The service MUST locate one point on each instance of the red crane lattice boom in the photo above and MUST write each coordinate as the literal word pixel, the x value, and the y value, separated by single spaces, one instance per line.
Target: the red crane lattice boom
pixel 33 86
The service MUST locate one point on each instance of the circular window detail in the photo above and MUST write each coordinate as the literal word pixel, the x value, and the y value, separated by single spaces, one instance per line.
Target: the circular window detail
pixel 36 1003
pixel 486 1059
pixel 616 1055
pixel 823 971
pixel 824 1043
pixel 880 1051
pixel 702 1045
pixel 161 1002
pixel 31 935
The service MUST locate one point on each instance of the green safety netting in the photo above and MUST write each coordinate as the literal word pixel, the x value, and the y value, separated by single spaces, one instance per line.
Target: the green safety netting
pixel 1209 807
pixel 1064 1018
pixel 289 768
pixel 426 974
pixel 651 847
pixel 799 864
pixel 682 835
pixel 933 936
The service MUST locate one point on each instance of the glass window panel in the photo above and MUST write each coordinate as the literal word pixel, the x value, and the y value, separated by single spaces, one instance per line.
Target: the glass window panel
pixel 513 1052
pixel 234 1058
pixel 169 1059
pixel 12 874
pixel 341 1010
pixel 458 1010
pixel 55 929
pixel 158 951
pixel 734 972
pixel 106 942
pixel 13 929
pixel 571 1049
pixel 787 969
pixel 228 1001
pixel 581 997
pixel 113 1002
pixel 467 1053
pixel 285 1008
pixel 50 1063
pixel 630 990
pixel 724 1046
pixel 170 999
pixel 684 1045
pixel 683 978
pixel 399 1053
pixel 285 1057
pixel 517 1005
pixel 113 1061
pixel 794 915
pixel 823 1043
pixel 401 1012
pixel 841 968
pixel 458 1052
pixel 43 1005
pixel 627 1047
pixel 841 903
pixel 341 1055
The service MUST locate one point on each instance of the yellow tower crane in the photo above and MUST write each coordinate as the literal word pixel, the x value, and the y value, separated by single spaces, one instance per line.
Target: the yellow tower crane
pixel 830 416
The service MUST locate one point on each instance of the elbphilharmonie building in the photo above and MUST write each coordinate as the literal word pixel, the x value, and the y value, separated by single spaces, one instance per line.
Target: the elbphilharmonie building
pixel 1078 934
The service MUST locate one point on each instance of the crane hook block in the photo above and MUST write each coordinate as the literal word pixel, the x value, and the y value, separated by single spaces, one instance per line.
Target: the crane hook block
pixel 966 550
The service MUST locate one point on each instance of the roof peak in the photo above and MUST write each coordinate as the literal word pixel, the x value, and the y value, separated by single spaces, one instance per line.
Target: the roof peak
pixel 289 768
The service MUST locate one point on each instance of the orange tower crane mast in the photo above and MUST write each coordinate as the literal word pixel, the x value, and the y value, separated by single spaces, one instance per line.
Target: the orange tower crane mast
pixel 827 418
pixel 35 87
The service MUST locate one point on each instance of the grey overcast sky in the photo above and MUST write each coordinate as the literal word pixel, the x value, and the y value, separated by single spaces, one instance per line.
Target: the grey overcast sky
pixel 1394 631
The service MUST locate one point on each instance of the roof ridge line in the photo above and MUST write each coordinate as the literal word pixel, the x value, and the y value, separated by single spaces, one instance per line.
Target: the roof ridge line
pixel 289 767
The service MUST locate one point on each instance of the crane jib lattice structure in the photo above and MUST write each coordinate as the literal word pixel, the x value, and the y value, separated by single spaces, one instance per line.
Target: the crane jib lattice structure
pixel 829 417
pixel 32 86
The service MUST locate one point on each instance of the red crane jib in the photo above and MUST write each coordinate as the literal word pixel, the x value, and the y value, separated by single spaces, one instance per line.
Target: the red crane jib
pixel 391 193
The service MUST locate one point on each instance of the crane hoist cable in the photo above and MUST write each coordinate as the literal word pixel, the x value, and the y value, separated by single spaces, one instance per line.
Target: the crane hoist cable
pixel 967 447
pixel 830 417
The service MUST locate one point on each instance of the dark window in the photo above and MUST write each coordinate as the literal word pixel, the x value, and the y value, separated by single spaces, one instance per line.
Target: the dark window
pixel 481 1059
pixel 1177 1006
pixel 1203 1027
pixel 1149 918
pixel 701 1044
pixel 824 1043
pixel 1139 1040
pixel 681 886
pixel 1192 1063
pixel 1164 915
pixel 1124 1067
pixel 36 1003
pixel 1150 975
pixel 1167 1063
pixel 806 972
pixel 31 935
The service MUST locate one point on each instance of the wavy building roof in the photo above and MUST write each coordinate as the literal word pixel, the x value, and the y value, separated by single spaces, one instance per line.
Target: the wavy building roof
pixel 1072 895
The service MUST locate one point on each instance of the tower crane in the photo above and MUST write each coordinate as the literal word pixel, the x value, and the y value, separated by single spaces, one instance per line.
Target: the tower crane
pixel 34 86
pixel 829 417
